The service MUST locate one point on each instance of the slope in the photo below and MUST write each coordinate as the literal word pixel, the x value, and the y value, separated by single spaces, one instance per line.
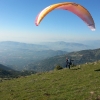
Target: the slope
pixel 7 73
pixel 78 83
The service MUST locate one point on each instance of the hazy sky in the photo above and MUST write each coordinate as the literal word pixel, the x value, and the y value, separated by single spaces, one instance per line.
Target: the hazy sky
pixel 17 19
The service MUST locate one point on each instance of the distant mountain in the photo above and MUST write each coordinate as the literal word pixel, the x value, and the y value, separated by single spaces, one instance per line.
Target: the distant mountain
pixel 66 46
pixel 45 56
pixel 60 45
pixel 79 57
pixel 9 45
pixel 17 55
pixel 17 59
pixel 93 43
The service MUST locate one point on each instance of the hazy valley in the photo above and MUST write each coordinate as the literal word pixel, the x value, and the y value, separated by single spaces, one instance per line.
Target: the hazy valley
pixel 24 56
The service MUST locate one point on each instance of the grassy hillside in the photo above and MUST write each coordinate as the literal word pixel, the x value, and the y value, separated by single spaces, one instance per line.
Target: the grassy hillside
pixel 79 83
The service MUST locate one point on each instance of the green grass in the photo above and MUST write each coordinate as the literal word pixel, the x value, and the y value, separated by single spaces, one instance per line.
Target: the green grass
pixel 78 83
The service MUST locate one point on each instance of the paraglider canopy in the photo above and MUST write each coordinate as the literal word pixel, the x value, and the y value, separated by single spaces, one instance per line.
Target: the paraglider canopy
pixel 77 9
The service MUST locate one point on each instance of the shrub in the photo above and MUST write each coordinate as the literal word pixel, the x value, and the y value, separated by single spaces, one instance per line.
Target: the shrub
pixel 58 67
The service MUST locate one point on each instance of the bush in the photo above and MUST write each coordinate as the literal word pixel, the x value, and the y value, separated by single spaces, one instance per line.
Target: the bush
pixel 58 67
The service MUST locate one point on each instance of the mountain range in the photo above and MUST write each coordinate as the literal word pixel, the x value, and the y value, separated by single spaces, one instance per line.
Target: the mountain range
pixel 66 46
pixel 60 45
pixel 18 56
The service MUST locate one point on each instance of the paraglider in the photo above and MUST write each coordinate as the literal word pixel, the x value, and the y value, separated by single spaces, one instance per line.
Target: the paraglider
pixel 77 9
